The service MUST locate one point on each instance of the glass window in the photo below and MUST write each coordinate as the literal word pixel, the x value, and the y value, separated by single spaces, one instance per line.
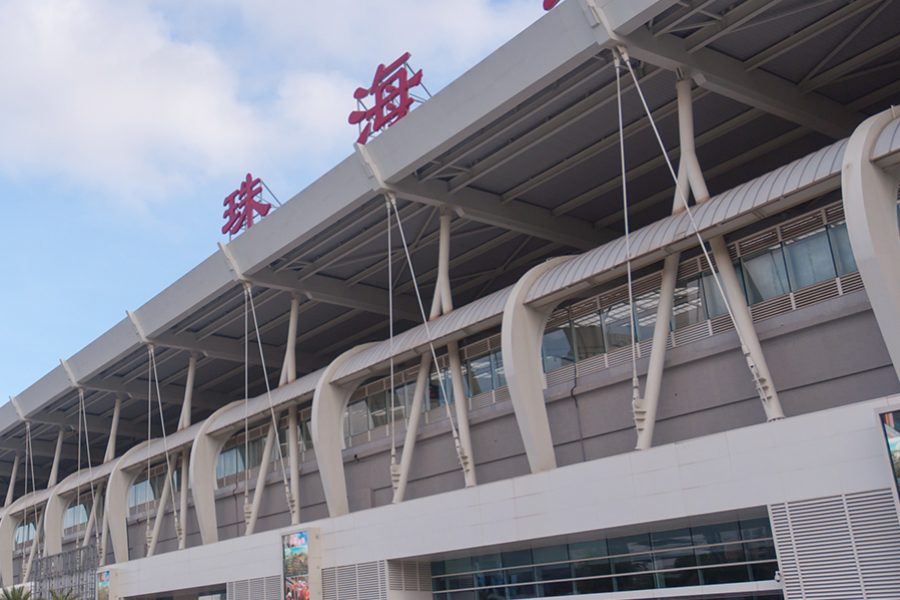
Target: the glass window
pixel 518 577
pixel 24 533
pixel 306 434
pixel 499 373
pixel 890 423
pixel 549 554
pixel 687 308
pixel 458 565
pixel 358 417
pixel 481 377
pixel 75 516
pixel 517 558
pixel 677 538
pixel 712 299
pixel 639 560
pixel 645 307
pixel 378 408
pixel 809 259
pixel 588 331
pixel 557 348
pixel 716 534
pixel 591 549
pixel 486 562
pixel 840 245
pixel 617 326
pixel 754 529
pixel 765 275
pixel 440 390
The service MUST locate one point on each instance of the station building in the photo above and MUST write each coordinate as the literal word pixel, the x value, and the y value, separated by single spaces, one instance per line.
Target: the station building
pixel 452 369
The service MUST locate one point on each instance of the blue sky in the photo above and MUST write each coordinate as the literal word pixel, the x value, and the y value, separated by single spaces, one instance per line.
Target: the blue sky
pixel 125 123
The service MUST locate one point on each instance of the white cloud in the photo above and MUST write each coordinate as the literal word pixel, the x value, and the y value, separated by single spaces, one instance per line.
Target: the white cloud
pixel 131 99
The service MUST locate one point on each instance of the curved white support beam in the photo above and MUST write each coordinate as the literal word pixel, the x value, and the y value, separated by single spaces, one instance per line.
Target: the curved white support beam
pixel 54 512
pixel 120 481
pixel 204 453
pixel 8 524
pixel 521 335
pixel 870 206
pixel 327 429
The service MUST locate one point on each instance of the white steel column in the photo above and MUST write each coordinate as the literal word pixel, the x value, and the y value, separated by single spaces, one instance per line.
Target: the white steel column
pixel 92 520
pixel 57 455
pixel 184 420
pixel 39 526
pixel 160 512
pixel 261 475
pixel 412 428
pixel 113 432
pixel 10 491
pixel 183 500
pixel 520 339
pixel 294 461
pixel 870 206
pixel 289 375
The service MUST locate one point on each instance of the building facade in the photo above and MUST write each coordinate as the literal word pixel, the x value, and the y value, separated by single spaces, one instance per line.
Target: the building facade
pixel 468 363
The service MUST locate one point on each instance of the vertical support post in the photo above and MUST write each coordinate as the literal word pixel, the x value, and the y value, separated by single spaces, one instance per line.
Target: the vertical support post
pixel 294 460
pixel 289 366
pixel 645 410
pixel 182 503
pixel 92 517
pixel 57 455
pixel 261 480
pixel 10 491
pixel 104 538
pixel 113 432
pixel 160 512
pixel 39 527
pixel 752 349
pixel 412 428
pixel 184 420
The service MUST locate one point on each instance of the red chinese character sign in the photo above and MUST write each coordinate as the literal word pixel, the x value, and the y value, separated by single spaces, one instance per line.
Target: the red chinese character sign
pixel 391 97
pixel 548 4
pixel 242 204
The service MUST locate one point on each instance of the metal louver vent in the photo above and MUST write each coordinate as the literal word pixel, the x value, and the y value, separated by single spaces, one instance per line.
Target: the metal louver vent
pixel 409 575
pixel 840 547
pixel 365 581
pixel 262 588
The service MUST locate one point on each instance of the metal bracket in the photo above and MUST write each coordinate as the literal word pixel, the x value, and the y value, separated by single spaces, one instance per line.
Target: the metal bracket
pixel 138 328
pixel 69 373
pixel 15 402
pixel 232 263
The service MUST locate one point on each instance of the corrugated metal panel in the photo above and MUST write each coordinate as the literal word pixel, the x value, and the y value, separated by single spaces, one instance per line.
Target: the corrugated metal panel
pixel 416 339
pixel 814 169
pixel 840 547
pixel 365 581
pixel 889 140
pixel 262 588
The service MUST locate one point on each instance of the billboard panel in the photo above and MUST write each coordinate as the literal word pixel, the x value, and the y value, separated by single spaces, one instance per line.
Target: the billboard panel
pixel 295 565
pixel 890 422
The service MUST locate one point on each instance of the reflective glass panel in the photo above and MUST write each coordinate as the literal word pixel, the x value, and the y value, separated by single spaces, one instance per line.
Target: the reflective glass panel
pixel 588 335
pixel 617 326
pixel 840 244
pixel 687 308
pixel 499 373
pixel 557 348
pixel 809 259
pixel 359 417
pixel 765 275
pixel 481 377
pixel 645 307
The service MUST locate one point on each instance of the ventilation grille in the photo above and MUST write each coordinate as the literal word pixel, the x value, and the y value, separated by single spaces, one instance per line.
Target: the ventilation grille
pixel 364 581
pixel 839 547
pixel 263 588
pixel 409 575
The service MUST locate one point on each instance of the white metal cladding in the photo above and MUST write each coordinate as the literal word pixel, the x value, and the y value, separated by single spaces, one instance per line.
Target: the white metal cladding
pixel 416 339
pixel 365 581
pixel 808 174
pixel 262 588
pixel 839 547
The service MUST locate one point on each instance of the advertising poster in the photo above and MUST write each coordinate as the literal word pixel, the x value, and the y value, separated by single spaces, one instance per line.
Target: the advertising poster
pixel 103 585
pixel 891 423
pixel 295 556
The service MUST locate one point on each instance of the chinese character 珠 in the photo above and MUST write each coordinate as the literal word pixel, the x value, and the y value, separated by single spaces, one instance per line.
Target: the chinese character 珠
pixel 241 204
pixel 390 87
